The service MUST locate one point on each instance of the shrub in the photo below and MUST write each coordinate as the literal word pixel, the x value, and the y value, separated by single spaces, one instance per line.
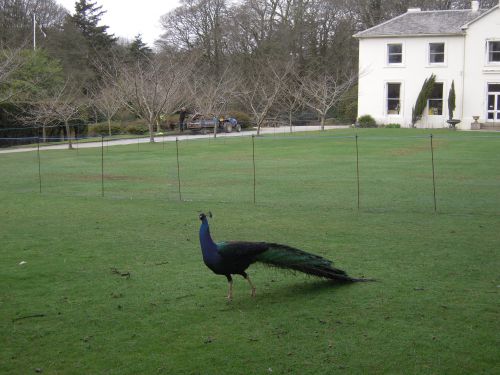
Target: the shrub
pixel 367 121
pixel 393 126
pixel 102 128
pixel 137 128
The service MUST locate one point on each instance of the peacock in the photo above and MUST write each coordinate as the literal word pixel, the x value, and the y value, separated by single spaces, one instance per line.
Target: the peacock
pixel 234 257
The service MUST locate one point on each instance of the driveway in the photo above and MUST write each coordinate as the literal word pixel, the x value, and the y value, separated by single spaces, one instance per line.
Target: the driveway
pixel 172 138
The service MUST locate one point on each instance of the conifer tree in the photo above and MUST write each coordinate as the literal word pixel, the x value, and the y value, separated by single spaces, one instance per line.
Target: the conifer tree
pixel 138 49
pixel 423 96
pixel 451 100
pixel 87 17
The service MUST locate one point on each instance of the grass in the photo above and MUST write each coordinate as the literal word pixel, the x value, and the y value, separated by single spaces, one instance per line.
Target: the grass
pixel 433 310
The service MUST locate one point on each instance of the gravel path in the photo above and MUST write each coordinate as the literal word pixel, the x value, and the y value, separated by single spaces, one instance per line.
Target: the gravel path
pixel 173 138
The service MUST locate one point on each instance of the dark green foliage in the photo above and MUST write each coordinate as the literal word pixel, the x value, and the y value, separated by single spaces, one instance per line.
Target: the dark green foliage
pixel 38 75
pixel 138 49
pixel 137 128
pixel 451 100
pixel 103 129
pixel 87 17
pixel 367 121
pixel 393 126
pixel 422 98
pixel 347 109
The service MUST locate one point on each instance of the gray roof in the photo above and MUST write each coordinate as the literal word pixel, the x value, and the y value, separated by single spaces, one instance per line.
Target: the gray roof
pixel 438 22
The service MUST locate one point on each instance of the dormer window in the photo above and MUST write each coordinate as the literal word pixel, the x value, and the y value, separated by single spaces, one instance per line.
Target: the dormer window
pixel 494 51
pixel 436 53
pixel 395 53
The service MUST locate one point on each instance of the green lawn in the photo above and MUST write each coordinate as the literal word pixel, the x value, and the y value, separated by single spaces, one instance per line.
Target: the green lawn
pixel 433 310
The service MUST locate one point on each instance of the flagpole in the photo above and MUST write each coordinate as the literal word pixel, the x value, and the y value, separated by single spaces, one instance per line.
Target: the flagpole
pixel 34 32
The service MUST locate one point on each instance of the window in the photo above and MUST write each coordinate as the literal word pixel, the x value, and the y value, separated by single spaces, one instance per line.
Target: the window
pixel 393 98
pixel 493 102
pixel 435 101
pixel 395 53
pixel 494 51
pixel 436 53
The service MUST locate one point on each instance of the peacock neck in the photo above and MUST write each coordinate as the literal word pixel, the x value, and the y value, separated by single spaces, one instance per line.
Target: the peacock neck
pixel 206 242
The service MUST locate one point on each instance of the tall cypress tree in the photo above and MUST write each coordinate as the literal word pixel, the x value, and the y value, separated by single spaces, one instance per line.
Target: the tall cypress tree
pixel 423 96
pixel 451 100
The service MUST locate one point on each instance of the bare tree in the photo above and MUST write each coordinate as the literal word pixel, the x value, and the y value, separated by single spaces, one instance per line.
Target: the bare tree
pixel 152 86
pixel 322 91
pixel 211 94
pixel 291 98
pixel 62 106
pixel 197 24
pixel 107 103
pixel 262 86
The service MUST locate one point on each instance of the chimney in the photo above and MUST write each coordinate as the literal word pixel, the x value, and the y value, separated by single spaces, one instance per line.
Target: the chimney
pixel 415 10
pixel 474 6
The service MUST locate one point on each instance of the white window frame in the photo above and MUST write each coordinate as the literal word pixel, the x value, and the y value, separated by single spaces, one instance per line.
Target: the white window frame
pixel 445 54
pixel 428 108
pixel 488 41
pixel 398 64
pixel 386 98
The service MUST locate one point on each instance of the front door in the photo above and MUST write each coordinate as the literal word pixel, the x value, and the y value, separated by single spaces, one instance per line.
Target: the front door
pixel 493 114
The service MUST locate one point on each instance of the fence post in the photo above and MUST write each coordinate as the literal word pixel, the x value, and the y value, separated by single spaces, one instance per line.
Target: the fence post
pixel 102 166
pixel 433 174
pixel 39 163
pixel 357 166
pixel 254 176
pixel 178 168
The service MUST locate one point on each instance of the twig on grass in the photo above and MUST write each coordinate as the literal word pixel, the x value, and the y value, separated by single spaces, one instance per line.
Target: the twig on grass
pixel 28 317
pixel 123 274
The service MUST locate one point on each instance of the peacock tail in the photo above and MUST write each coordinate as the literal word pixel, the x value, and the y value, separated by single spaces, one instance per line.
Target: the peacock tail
pixel 287 257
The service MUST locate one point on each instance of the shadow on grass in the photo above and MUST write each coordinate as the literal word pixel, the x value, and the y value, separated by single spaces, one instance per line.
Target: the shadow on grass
pixel 286 292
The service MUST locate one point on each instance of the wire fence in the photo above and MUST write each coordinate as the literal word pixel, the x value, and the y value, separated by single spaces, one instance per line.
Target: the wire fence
pixel 453 173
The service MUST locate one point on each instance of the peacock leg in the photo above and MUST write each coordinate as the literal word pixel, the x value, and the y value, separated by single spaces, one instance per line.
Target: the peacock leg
pixel 230 292
pixel 245 275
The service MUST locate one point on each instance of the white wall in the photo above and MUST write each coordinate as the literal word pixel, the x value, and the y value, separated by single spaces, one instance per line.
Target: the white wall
pixel 462 54
pixel 375 73
pixel 477 71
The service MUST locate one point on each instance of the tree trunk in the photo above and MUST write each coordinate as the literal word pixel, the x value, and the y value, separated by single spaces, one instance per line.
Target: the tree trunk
pixel 68 134
pixel 109 126
pixel 322 122
pixel 290 121
pixel 151 131
pixel 44 134
pixel 259 124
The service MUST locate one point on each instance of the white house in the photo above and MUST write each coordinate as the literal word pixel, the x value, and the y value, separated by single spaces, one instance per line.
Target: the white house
pixel 460 46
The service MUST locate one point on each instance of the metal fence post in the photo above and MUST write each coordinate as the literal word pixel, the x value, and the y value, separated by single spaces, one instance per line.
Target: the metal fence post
pixel 102 165
pixel 178 168
pixel 254 176
pixel 39 163
pixel 433 174
pixel 357 166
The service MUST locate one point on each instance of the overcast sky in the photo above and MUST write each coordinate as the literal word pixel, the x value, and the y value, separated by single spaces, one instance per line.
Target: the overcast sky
pixel 127 18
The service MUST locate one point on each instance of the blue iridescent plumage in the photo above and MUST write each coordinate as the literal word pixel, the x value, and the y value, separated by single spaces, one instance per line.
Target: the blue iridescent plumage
pixel 234 257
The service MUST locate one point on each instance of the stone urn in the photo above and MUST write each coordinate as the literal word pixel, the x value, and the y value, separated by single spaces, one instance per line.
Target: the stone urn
pixel 475 125
pixel 453 123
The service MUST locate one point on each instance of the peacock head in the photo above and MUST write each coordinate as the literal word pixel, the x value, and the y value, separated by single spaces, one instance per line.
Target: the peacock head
pixel 203 216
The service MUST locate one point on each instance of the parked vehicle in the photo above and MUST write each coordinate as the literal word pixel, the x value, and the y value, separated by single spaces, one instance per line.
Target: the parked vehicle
pixel 204 124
